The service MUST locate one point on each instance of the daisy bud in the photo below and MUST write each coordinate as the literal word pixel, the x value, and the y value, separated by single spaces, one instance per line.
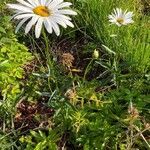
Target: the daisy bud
pixel 95 54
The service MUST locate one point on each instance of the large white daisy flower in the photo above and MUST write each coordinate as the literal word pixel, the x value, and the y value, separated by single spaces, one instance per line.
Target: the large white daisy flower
pixel 49 13
pixel 119 17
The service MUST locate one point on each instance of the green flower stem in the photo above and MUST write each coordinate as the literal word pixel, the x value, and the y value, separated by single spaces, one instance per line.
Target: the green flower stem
pixel 48 56
pixel 47 49
pixel 115 71
pixel 87 69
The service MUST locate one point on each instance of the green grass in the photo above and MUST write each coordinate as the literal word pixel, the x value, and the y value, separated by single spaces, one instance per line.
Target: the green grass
pixel 93 20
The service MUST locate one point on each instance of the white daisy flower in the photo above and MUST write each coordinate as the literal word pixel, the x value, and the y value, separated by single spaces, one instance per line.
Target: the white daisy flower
pixel 49 13
pixel 119 17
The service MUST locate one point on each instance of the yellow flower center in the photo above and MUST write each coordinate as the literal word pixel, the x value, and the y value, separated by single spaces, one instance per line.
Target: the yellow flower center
pixel 120 20
pixel 42 11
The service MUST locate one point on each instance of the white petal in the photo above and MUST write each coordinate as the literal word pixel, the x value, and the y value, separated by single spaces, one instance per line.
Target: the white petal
pixel 54 3
pixel 18 13
pixel 62 16
pixel 60 21
pixel 118 24
pixel 70 24
pixel 20 24
pixel 67 12
pixel 115 12
pixel 34 2
pixel 65 4
pixel 127 21
pixel 56 28
pixel 24 15
pixel 129 15
pixel 120 12
pixel 38 27
pixel 48 25
pixel 112 20
pixel 42 2
pixel 25 3
pixel 111 17
pixel 31 23
pixel 19 7
pixel 48 2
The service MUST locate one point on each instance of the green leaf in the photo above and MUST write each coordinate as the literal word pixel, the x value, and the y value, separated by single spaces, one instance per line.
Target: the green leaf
pixel 4 62
pixel 2 30
pixel 41 145
pixel 109 50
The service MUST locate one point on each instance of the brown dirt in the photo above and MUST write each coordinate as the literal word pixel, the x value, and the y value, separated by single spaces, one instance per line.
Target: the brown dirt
pixel 32 115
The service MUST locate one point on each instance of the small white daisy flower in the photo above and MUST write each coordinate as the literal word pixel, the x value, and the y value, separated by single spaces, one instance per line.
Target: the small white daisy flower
pixel 119 17
pixel 49 13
